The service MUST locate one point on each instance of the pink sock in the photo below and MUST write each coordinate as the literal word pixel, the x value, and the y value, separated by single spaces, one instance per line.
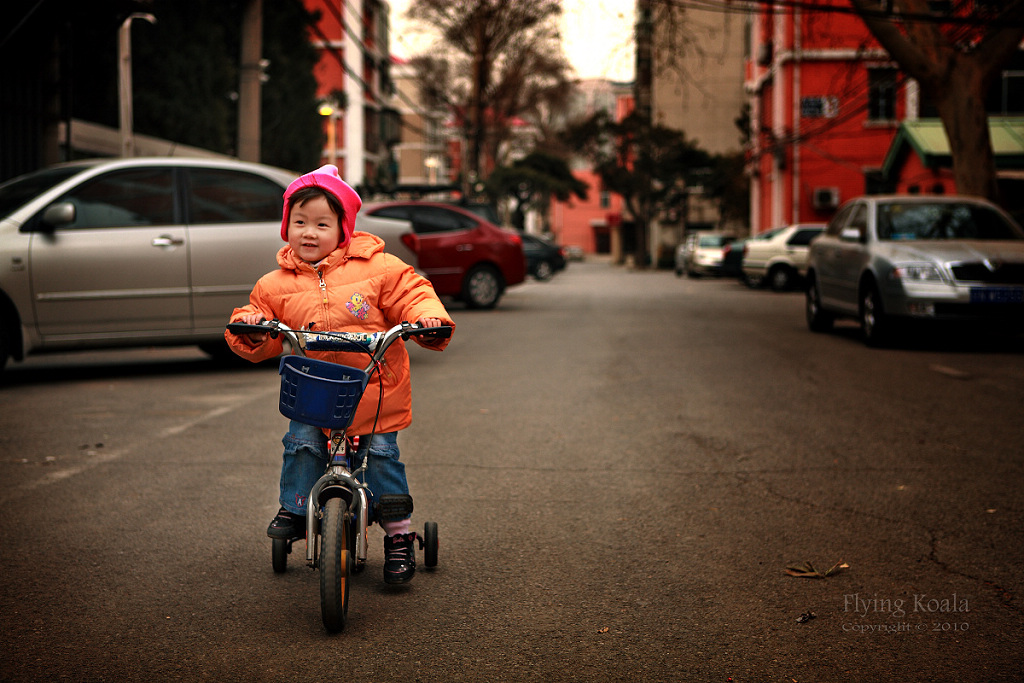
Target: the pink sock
pixel 393 527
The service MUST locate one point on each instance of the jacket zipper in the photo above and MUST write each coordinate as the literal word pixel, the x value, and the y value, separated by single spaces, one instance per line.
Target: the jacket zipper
pixel 323 285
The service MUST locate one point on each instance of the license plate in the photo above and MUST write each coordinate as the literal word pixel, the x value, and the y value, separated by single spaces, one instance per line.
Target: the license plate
pixel 997 295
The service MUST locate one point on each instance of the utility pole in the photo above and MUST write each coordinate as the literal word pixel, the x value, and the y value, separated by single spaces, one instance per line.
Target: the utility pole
pixel 124 77
pixel 642 95
pixel 250 82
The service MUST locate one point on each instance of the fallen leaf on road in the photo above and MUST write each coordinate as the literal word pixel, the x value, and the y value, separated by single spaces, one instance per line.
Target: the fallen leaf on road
pixel 807 570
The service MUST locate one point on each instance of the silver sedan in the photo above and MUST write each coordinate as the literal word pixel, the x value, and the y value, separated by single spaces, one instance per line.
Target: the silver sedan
pixel 887 259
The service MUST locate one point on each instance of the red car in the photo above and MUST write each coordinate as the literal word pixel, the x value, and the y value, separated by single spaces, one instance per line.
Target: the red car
pixel 462 254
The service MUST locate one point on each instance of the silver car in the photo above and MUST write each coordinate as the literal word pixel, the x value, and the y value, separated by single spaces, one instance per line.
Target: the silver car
pixel 779 258
pixel 888 259
pixel 135 252
pixel 702 253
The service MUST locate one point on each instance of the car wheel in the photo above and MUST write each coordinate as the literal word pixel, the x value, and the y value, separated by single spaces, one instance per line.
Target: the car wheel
pixel 874 323
pixel 780 278
pixel 544 271
pixel 482 287
pixel 818 320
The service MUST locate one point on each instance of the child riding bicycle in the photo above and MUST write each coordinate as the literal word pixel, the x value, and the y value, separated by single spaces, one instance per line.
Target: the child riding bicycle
pixel 333 278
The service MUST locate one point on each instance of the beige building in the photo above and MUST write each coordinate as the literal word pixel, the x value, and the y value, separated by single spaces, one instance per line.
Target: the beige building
pixel 697 87
pixel 698 77
pixel 421 154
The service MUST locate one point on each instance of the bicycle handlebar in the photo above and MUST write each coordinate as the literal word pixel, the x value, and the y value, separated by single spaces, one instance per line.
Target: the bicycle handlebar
pixel 374 343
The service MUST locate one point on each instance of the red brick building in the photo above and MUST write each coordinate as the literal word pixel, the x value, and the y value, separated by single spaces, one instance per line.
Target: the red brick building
pixel 355 87
pixel 826 103
pixel 594 224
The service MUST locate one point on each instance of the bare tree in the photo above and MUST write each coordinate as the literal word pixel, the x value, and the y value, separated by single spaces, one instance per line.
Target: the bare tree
pixel 507 61
pixel 956 58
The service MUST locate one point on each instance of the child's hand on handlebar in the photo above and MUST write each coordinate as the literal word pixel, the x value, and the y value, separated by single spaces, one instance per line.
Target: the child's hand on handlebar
pixel 430 322
pixel 253 319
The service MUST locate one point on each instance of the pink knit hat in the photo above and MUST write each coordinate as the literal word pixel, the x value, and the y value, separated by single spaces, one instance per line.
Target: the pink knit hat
pixel 326 177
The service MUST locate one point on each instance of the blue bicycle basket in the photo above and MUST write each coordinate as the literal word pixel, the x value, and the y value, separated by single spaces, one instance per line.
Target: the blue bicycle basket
pixel 319 393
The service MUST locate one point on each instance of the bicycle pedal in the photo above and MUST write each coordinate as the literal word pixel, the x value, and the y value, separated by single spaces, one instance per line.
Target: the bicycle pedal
pixel 393 507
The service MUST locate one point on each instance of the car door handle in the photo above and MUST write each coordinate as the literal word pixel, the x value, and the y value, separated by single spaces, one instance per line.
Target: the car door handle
pixel 167 241
pixel 464 247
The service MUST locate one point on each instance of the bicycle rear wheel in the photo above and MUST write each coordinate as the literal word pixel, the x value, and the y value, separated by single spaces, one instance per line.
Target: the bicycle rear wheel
pixel 335 565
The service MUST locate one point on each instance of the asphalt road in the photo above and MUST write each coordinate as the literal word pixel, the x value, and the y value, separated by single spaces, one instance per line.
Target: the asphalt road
pixel 622 465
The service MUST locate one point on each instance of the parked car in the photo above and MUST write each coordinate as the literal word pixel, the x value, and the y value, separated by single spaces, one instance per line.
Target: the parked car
pixel 135 252
pixel 780 260
pixel 701 253
pixel 544 258
pixel 462 254
pixel 890 259
pixel 573 252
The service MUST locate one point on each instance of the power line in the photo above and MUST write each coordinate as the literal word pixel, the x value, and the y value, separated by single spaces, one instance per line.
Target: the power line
pixel 973 18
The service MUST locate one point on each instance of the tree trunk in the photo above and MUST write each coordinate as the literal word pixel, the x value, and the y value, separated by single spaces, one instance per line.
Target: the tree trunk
pixel 961 105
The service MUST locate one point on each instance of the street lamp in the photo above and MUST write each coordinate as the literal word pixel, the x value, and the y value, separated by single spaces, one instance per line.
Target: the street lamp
pixel 124 74
pixel 331 111
pixel 432 163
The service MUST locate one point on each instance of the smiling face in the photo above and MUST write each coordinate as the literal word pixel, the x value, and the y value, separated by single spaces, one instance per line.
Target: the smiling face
pixel 314 230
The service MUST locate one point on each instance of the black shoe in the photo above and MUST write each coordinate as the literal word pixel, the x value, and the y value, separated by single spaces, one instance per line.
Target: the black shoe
pixel 399 558
pixel 287 525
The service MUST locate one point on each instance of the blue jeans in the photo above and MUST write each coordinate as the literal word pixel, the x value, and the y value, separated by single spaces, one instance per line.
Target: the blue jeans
pixel 305 460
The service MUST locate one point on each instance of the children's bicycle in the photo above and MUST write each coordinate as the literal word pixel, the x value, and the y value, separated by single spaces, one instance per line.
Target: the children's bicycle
pixel 340 507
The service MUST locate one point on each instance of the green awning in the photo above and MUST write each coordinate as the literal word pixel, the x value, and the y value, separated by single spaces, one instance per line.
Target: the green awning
pixel 927 138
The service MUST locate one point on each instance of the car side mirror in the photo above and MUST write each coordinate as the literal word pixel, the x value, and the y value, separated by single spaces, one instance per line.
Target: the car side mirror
pixel 57 215
pixel 851 235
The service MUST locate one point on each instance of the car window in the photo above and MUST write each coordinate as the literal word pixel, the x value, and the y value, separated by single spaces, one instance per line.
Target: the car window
pixel 427 219
pixel 19 191
pixel 400 212
pixel 713 240
pixel 943 221
pixel 859 218
pixel 838 222
pixel 224 196
pixel 485 211
pixel 803 237
pixel 125 198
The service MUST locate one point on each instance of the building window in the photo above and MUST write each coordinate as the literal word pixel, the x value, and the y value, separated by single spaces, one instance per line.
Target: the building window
pixel 1011 94
pixel 882 94
pixel 606 199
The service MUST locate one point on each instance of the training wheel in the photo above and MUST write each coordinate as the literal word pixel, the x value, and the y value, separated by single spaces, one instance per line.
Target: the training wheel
pixel 430 544
pixel 280 549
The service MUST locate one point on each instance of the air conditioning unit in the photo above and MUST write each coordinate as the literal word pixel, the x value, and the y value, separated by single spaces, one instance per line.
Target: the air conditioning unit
pixel 825 198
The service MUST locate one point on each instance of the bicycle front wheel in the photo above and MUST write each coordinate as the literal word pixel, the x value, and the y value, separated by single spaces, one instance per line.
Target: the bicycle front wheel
pixel 335 565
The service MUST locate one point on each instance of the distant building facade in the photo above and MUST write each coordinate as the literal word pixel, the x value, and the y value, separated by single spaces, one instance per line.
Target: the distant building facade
pixel 355 88
pixel 421 153
pixel 593 224
pixel 697 83
pixel 825 105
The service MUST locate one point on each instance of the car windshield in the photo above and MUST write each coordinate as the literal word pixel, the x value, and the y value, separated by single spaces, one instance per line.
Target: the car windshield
pixel 714 240
pixel 16 193
pixel 943 221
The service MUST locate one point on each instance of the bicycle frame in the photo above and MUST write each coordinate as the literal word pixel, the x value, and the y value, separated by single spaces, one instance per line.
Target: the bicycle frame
pixel 339 480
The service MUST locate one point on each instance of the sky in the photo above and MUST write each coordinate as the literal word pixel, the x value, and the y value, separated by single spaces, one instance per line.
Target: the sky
pixel 597 36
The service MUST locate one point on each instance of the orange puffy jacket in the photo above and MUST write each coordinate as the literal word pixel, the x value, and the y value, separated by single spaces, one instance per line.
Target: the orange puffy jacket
pixel 357 288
